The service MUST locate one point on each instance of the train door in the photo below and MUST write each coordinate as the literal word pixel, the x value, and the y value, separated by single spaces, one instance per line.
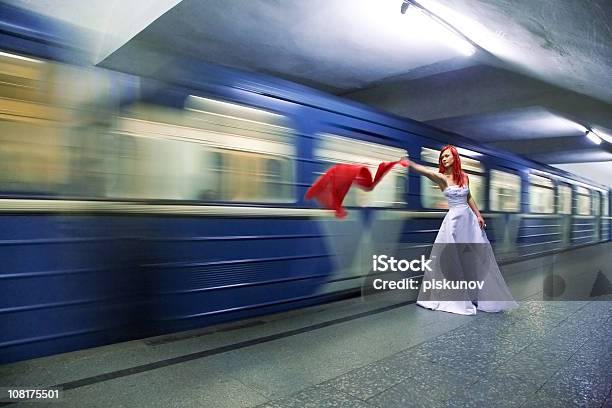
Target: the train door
pixel 583 220
pixel 371 227
pixel 564 209
pixel 596 215
pixel 605 217
pixel 540 229
pixel 505 207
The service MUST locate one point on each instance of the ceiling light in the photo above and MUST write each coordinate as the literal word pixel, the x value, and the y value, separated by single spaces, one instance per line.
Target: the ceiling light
pixel 463 47
pixel 593 137
pixel 472 30
pixel 446 32
pixel 603 135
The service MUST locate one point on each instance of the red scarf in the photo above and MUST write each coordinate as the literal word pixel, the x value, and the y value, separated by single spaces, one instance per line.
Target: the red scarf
pixel 331 188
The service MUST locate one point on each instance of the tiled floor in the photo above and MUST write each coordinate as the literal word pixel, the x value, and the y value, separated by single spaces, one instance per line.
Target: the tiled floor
pixel 373 352
pixel 548 354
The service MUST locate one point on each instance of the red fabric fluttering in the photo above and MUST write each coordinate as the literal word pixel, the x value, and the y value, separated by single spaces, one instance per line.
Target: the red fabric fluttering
pixel 331 188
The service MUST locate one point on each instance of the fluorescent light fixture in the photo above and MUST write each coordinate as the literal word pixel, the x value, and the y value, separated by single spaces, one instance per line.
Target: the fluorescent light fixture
pixel 21 57
pixel 593 137
pixel 461 45
pixel 437 27
pixel 603 135
pixel 579 127
pixel 476 32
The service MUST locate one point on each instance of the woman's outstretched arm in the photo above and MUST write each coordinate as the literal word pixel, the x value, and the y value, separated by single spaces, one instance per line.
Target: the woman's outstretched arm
pixel 429 173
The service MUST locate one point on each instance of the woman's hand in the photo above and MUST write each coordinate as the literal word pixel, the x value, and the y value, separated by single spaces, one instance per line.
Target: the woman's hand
pixel 481 221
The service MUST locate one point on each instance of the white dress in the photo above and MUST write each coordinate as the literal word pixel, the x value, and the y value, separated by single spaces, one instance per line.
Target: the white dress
pixel 462 252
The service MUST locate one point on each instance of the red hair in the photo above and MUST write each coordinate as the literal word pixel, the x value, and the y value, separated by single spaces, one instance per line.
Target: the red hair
pixel 458 177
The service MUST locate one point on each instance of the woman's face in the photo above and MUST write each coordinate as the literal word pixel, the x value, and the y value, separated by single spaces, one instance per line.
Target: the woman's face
pixel 447 158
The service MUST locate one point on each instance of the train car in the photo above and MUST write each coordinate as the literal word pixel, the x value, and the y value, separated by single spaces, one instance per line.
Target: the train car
pixel 62 269
pixel 178 202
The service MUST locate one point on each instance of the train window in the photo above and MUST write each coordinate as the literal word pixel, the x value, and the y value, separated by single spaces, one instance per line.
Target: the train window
pixel 211 174
pixel 596 203
pixel 605 209
pixel 32 165
pixel 226 153
pixel 564 199
pixel 253 177
pixel 25 79
pixel 391 190
pixel 54 138
pixel 32 152
pixel 583 201
pixel 505 193
pixel 541 194
pixel 432 197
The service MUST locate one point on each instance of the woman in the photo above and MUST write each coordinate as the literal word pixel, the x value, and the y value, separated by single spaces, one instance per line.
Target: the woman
pixel 461 250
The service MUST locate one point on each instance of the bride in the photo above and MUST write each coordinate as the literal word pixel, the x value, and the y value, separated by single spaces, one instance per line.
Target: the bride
pixel 461 250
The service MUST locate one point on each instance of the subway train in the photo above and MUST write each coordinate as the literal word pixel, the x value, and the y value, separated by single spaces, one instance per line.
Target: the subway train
pixel 133 206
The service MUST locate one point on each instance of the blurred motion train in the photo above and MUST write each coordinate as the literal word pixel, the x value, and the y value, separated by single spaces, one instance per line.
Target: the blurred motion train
pixel 133 206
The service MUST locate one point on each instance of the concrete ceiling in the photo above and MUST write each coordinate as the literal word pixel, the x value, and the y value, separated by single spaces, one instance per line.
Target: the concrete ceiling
pixel 108 24
pixel 540 76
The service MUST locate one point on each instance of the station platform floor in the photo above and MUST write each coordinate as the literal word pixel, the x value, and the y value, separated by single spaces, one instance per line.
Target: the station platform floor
pixel 362 352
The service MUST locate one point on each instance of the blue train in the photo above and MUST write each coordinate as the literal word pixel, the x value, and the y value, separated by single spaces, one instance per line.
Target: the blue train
pixel 133 206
